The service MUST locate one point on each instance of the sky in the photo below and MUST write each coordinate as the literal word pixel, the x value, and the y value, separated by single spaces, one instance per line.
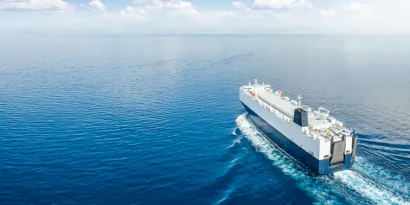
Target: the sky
pixel 206 16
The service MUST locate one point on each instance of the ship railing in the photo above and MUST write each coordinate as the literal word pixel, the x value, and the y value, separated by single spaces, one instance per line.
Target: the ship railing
pixel 246 92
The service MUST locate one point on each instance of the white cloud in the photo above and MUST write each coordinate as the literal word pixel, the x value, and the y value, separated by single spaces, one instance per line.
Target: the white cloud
pixel 35 4
pixel 159 4
pixel 134 13
pixel 239 5
pixel 97 5
pixel 328 12
pixel 359 7
pixel 280 4
pixel 149 8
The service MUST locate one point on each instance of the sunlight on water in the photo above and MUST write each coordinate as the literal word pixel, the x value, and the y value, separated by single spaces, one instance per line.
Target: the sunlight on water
pixel 316 186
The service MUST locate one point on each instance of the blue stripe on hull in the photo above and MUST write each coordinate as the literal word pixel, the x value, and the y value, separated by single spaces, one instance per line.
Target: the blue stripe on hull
pixel 319 166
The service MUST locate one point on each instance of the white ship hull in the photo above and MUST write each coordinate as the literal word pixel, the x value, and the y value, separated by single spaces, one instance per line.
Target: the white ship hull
pixel 315 153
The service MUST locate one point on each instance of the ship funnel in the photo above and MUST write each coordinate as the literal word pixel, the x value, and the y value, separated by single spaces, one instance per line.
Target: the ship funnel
pixel 300 117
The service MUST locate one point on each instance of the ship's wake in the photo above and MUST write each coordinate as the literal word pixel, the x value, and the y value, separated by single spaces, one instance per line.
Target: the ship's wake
pixel 234 131
pixel 327 189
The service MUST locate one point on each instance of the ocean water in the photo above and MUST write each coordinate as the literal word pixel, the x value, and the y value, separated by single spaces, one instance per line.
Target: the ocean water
pixel 156 119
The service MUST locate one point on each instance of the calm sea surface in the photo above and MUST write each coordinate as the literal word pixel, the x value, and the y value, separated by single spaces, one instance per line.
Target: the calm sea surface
pixel 157 120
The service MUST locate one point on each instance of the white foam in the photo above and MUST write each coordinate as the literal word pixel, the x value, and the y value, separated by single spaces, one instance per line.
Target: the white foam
pixel 226 195
pixel 234 131
pixel 395 182
pixel 236 141
pixel 368 188
pixel 317 186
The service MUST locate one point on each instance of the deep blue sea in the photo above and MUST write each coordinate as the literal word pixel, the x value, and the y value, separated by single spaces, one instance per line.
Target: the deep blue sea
pixel 93 119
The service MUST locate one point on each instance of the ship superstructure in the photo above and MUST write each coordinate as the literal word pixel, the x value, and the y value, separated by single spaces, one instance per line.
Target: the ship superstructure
pixel 312 136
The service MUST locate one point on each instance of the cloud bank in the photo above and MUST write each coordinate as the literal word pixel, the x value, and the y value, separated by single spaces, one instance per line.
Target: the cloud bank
pixel 185 16
pixel 34 5
pixel 280 4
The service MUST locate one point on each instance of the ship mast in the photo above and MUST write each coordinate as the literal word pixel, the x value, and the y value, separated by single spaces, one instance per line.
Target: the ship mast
pixel 299 98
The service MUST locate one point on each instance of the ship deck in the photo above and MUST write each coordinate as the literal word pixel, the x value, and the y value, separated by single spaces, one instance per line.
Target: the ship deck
pixel 319 125
pixel 277 102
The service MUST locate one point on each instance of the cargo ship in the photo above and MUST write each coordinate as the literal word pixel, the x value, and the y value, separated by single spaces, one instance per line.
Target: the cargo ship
pixel 313 137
